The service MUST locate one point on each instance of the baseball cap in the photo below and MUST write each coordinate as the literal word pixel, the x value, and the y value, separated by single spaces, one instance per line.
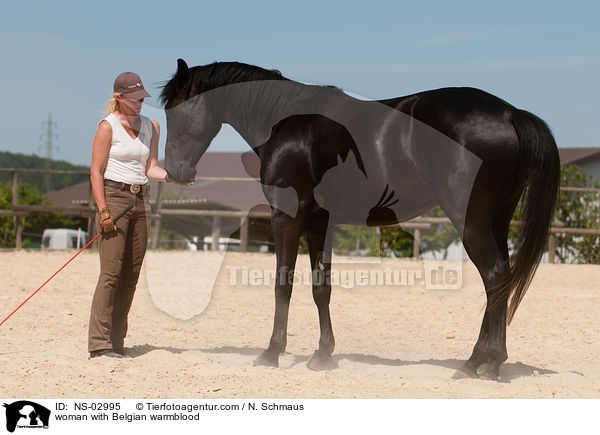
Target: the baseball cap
pixel 130 85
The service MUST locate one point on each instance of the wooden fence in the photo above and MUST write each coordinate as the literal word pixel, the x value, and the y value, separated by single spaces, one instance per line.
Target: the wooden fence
pixel 417 224
pixel 18 209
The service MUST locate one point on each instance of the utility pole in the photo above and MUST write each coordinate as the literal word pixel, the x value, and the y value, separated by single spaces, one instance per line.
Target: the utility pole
pixel 47 137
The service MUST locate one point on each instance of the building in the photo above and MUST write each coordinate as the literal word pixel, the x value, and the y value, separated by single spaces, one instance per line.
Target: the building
pixel 586 158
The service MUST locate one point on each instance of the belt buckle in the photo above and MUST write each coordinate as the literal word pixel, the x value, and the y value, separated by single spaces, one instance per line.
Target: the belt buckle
pixel 135 188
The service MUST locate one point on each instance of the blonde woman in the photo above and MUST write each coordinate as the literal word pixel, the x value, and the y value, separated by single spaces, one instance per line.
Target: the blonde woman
pixel 124 157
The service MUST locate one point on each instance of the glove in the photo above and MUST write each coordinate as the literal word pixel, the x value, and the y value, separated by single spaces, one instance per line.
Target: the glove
pixel 106 221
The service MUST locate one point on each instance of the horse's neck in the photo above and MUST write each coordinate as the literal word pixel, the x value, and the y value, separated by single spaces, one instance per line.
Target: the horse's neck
pixel 253 108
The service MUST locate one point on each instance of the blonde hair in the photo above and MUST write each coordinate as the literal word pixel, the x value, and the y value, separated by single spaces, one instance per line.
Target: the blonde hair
pixel 111 105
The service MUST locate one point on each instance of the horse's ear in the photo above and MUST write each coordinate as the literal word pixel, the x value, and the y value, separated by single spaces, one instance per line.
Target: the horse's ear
pixel 183 73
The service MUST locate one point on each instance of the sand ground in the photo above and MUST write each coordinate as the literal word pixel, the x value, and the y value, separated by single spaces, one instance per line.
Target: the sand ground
pixel 392 341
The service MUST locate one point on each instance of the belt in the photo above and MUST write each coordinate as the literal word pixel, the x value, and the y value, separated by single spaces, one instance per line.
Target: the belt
pixel 133 188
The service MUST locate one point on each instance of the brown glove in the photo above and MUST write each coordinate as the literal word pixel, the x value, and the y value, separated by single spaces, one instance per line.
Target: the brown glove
pixel 106 221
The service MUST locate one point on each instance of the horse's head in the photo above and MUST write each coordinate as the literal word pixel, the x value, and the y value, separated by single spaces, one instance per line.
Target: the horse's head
pixel 191 125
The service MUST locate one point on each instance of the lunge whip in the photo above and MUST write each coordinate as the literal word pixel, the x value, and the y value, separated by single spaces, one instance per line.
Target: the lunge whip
pixel 119 216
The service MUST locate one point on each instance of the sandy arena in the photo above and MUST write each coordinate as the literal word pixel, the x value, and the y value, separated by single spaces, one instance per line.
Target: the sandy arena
pixel 392 341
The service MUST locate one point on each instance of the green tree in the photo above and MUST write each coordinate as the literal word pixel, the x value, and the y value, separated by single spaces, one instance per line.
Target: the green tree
pixel 58 181
pixel 396 242
pixel 577 210
pixel 34 223
pixel 437 238
pixel 356 240
pixel 573 210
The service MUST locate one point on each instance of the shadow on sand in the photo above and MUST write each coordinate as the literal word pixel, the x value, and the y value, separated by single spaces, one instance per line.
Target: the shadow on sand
pixel 508 371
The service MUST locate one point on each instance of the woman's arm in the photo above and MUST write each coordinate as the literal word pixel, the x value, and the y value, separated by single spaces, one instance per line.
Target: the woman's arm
pixel 100 150
pixel 154 171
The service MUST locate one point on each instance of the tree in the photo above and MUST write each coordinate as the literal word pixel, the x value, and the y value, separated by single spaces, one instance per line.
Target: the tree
pixel 577 210
pixel 396 242
pixel 439 237
pixel 356 240
pixel 33 224
pixel 59 181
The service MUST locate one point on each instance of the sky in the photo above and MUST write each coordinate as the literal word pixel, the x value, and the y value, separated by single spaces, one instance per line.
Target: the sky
pixel 62 57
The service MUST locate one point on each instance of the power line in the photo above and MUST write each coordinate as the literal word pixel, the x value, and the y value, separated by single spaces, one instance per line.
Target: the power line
pixel 48 136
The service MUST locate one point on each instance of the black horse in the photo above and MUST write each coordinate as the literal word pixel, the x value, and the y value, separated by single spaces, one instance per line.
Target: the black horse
pixel 327 158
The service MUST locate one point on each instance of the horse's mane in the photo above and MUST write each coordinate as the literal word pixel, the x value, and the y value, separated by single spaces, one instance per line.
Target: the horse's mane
pixel 217 74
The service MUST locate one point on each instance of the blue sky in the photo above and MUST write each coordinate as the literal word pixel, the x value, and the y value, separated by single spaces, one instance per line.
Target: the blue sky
pixel 62 56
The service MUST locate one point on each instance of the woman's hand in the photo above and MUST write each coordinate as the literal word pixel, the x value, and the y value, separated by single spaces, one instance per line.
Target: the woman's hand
pixel 106 221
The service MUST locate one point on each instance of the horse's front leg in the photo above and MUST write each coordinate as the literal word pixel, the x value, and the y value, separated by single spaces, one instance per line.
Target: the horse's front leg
pixel 286 234
pixel 319 246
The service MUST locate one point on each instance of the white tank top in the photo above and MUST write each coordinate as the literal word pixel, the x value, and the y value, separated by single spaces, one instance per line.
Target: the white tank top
pixel 127 157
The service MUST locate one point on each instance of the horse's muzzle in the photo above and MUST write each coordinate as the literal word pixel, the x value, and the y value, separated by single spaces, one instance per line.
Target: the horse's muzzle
pixel 181 174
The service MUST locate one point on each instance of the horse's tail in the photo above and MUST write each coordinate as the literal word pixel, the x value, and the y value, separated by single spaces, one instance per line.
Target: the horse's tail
pixel 540 166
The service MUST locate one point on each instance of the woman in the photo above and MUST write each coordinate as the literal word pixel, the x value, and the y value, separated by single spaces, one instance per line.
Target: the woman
pixel 124 156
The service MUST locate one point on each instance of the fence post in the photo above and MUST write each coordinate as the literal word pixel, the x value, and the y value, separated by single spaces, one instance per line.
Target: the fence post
pixel 551 248
pixel 18 233
pixel 16 219
pixel 216 233
pixel 15 189
pixel 157 217
pixel 417 243
pixel 244 234
pixel 91 223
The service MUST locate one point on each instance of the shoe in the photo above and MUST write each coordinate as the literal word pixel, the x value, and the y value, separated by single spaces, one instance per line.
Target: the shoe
pixel 105 352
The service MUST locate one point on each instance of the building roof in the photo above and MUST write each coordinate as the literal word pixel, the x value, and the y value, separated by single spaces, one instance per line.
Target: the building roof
pixel 578 156
pixel 76 194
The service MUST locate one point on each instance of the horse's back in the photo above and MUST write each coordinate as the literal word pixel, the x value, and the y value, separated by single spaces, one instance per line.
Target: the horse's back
pixel 464 137
pixel 458 130
pixel 469 116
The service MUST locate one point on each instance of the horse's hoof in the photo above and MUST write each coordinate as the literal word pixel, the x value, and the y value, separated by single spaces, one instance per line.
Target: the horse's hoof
pixel 489 377
pixel 321 361
pixel 467 370
pixel 491 372
pixel 267 359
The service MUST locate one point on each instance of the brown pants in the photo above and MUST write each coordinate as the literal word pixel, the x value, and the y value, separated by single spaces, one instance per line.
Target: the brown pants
pixel 121 256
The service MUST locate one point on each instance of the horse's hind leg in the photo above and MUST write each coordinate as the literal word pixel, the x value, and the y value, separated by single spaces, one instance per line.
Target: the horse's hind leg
pixel 482 244
pixel 319 243
pixel 286 234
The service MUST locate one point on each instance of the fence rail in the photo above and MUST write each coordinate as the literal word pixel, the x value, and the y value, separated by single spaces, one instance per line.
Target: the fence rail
pixel 45 171
pixel 19 210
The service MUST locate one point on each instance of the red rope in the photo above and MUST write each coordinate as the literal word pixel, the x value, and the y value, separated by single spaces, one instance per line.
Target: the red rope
pixel 56 273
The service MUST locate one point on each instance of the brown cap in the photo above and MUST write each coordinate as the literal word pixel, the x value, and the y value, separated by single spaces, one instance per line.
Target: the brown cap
pixel 130 85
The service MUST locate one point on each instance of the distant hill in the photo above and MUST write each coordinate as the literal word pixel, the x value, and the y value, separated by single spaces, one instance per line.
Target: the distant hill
pixel 56 181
